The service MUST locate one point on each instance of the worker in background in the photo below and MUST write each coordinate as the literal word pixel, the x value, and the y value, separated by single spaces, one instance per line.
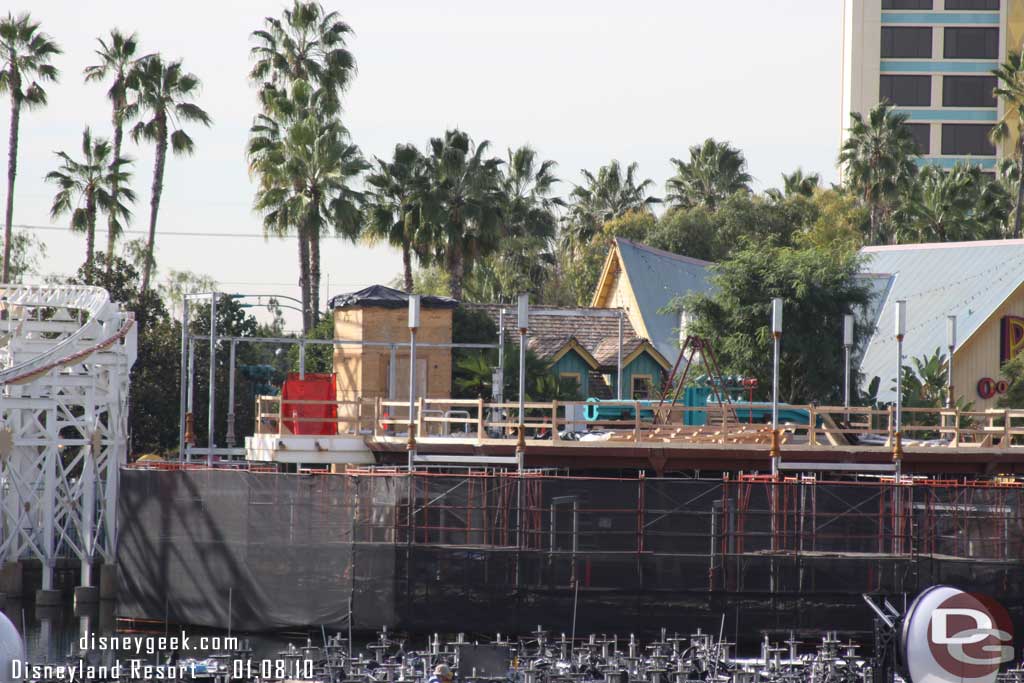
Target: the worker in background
pixel 442 674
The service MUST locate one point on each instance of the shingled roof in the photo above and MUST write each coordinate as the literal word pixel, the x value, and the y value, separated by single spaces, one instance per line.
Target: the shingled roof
pixel 593 329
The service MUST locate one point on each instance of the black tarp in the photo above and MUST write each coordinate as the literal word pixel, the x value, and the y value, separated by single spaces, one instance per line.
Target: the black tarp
pixel 387 297
pixel 297 550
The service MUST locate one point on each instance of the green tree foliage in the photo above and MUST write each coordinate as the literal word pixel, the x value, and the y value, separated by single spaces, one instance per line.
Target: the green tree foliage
pixel 878 161
pixel 1013 372
pixel 609 194
pixel 796 183
pixel 164 99
pixel 712 235
pixel 393 214
pixel 87 187
pixel 841 222
pixel 306 164
pixel 819 286
pixel 524 261
pixel 25 54
pixel 298 146
pixel 715 171
pixel 27 253
pixel 461 207
pixel 181 283
pixel 956 205
pixel 1010 90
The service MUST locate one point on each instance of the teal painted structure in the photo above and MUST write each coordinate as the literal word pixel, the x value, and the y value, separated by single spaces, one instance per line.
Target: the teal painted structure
pixel 573 362
pixel 693 397
pixel 643 364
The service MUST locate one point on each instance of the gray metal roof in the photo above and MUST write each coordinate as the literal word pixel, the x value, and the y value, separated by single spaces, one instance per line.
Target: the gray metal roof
pixel 657 277
pixel 967 279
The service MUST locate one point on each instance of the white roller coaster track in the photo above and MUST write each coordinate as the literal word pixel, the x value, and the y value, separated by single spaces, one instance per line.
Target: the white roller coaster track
pixel 65 356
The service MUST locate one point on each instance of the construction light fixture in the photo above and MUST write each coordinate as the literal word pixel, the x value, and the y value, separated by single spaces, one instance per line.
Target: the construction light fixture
pixel 951 345
pixel 414 323
pixel 901 332
pixel 524 324
pixel 775 451
pixel 848 323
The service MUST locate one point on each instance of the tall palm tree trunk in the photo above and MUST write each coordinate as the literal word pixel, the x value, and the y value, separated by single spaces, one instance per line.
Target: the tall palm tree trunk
pixel 407 265
pixel 90 232
pixel 1020 186
pixel 456 268
pixel 154 202
pixel 12 170
pixel 112 218
pixel 314 277
pixel 304 278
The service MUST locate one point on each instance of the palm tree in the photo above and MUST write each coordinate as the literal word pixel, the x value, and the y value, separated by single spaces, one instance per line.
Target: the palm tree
pixel 946 206
pixel 1010 88
pixel 715 171
pixel 461 206
pixel 165 91
pixel 87 187
pixel 307 45
pixel 305 162
pixel 393 214
pixel 118 60
pixel 1008 177
pixel 525 257
pixel 608 195
pixel 799 183
pixel 300 54
pixel 25 54
pixel 878 158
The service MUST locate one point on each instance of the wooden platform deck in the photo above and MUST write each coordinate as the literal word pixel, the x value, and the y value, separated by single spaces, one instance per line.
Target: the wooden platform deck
pixel 660 438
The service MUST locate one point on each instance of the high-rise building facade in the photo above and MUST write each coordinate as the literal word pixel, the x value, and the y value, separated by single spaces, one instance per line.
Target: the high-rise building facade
pixel 933 60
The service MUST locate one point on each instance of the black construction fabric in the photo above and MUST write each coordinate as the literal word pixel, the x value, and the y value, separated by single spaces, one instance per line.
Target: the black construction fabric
pixel 298 550
pixel 387 297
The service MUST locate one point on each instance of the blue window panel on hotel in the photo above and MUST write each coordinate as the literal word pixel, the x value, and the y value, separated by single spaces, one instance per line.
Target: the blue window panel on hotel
pixel 967 138
pixel 906 41
pixel 972 4
pixel 906 91
pixel 968 91
pixel 947 66
pixel 971 43
pixel 924 18
pixel 906 4
pixel 922 133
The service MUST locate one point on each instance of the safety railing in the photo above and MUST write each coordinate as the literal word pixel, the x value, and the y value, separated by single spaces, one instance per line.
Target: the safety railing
pixel 641 422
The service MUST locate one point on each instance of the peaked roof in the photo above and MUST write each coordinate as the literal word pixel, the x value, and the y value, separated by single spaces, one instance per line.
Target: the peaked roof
pixel 967 279
pixel 387 297
pixel 655 277
pixel 595 331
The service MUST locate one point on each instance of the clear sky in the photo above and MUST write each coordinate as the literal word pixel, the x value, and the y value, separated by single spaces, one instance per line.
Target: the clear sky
pixel 583 82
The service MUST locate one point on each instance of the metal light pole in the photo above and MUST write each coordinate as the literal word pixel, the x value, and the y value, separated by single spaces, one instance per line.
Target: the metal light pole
pixel 231 396
pixel 901 331
pixel 951 345
pixel 210 430
pixel 847 345
pixel 182 404
pixel 775 451
pixel 524 324
pixel 498 391
pixel 618 362
pixel 414 323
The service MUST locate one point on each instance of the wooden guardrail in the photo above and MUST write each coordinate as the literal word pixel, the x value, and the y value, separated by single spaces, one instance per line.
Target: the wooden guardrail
pixel 641 422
